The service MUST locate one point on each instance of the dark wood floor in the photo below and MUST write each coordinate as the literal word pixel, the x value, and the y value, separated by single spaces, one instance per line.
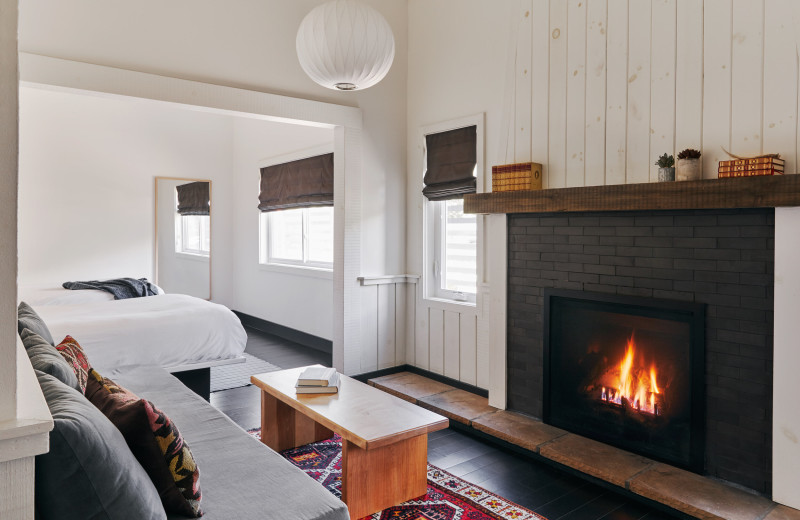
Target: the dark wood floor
pixel 550 492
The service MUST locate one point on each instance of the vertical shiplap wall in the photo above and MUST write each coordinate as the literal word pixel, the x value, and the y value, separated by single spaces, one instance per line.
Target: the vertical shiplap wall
pixel 603 87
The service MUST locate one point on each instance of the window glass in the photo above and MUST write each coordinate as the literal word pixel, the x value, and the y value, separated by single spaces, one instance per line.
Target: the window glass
pixel 192 234
pixel 302 236
pixel 286 234
pixel 459 251
pixel 320 235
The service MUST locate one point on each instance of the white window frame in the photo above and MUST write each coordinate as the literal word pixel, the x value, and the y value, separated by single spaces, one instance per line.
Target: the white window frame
pixel 265 258
pixel 266 245
pixel 432 216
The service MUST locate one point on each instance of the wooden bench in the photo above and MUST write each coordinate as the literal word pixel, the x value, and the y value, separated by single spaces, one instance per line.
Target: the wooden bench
pixel 384 439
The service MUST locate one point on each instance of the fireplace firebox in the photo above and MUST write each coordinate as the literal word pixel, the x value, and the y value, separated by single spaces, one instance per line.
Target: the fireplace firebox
pixel 627 371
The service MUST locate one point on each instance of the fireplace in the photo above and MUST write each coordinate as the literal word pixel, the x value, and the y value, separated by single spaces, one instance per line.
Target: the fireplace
pixel 627 371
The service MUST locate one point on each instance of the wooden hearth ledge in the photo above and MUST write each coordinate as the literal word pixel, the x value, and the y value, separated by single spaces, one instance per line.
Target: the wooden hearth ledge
pixel 689 493
pixel 744 192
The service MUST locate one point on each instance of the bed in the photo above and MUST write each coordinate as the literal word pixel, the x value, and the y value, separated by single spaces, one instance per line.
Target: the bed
pixel 183 334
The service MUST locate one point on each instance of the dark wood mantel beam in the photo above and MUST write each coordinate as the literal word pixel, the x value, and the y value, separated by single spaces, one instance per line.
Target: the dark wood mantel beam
pixel 742 192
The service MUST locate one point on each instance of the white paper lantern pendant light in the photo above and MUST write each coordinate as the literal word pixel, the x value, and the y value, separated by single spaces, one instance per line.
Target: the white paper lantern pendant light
pixel 345 45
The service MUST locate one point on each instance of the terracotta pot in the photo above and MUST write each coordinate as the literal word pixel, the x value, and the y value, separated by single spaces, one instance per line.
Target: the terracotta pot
pixel 689 170
pixel 666 174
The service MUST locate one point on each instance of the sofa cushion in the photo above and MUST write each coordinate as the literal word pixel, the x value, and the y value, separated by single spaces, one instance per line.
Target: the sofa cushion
pixel 27 318
pixel 242 478
pixel 46 358
pixel 155 442
pixel 89 472
pixel 73 353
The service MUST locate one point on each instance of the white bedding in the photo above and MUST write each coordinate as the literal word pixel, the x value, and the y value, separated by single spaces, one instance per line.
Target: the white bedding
pixel 169 330
pixel 35 296
pixel 60 296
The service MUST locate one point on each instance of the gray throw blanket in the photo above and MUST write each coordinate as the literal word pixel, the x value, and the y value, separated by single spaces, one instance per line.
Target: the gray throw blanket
pixel 121 288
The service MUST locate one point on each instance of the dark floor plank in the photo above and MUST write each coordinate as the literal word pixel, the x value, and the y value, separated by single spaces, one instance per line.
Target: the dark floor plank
pixel 533 485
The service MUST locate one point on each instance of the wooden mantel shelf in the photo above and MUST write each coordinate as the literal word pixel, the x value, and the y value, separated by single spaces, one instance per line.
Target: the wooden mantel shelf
pixel 742 192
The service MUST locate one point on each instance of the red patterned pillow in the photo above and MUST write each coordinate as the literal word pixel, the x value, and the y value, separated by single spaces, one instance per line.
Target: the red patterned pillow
pixel 155 442
pixel 73 353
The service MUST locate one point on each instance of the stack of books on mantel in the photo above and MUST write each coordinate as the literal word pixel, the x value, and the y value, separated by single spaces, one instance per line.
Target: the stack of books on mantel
pixel 317 380
pixel 751 167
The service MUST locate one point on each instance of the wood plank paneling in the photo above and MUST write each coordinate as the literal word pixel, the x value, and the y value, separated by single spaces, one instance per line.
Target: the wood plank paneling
pixel 717 21
pixel 658 76
pixel 468 347
pixel 436 340
pixel 421 335
pixel 452 344
pixel 401 321
pixel 747 65
pixel 689 76
pixel 540 86
pixel 522 130
pixel 617 91
pixel 595 155
pixel 639 66
pixel 780 97
pixel 576 92
pixel 557 154
pixel 411 323
pixel 369 328
pixel 387 316
pixel 483 354
pixel 662 83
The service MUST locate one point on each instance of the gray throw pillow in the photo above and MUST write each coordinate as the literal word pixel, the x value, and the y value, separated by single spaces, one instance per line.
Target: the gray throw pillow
pixel 27 318
pixel 89 472
pixel 46 358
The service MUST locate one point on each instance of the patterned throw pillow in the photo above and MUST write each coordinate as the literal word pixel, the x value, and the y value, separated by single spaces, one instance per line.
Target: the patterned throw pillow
pixel 73 353
pixel 155 442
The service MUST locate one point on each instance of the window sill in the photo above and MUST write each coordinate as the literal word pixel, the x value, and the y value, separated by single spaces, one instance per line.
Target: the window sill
pixel 446 304
pixel 192 256
pixel 298 270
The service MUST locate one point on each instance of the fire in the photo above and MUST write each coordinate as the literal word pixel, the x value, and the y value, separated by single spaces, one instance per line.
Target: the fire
pixel 634 385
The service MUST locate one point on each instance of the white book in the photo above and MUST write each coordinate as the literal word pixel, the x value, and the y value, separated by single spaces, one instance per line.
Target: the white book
pixel 332 388
pixel 317 376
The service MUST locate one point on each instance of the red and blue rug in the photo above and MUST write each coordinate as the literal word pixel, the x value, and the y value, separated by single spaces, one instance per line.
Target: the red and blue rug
pixel 448 497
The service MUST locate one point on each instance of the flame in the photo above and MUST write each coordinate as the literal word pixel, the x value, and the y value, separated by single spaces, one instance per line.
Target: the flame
pixel 633 385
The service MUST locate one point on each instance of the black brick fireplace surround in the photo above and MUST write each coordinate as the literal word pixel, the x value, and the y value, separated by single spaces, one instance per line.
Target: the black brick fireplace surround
pixel 723 258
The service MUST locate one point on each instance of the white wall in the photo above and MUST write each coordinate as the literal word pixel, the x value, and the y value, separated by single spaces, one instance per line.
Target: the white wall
pixel 247 44
pixel 291 297
pixel 86 198
pixel 596 90
pixel 612 84
pixel 457 68
pixel 8 210
pixel 179 272
pixel 785 415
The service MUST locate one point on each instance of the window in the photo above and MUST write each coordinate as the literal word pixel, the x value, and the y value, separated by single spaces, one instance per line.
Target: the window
pixel 192 233
pixel 453 158
pixel 302 236
pixel 456 254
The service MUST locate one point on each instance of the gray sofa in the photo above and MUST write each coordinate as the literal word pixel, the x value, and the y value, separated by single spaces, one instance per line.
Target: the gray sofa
pixel 90 474
pixel 239 476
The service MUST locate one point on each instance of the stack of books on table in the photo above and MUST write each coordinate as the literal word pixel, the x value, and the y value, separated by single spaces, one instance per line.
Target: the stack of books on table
pixel 751 167
pixel 317 380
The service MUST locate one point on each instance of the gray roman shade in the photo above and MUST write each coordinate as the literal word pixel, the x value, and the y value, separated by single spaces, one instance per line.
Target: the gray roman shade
pixel 194 198
pixel 452 158
pixel 297 184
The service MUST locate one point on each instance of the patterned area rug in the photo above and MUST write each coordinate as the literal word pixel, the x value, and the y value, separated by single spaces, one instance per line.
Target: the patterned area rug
pixel 448 498
pixel 235 375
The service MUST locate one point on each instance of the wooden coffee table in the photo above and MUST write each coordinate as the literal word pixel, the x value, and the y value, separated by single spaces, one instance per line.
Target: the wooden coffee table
pixel 384 439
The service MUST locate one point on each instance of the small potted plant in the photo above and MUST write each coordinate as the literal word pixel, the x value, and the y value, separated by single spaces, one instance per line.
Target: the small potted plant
pixel 689 166
pixel 666 168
